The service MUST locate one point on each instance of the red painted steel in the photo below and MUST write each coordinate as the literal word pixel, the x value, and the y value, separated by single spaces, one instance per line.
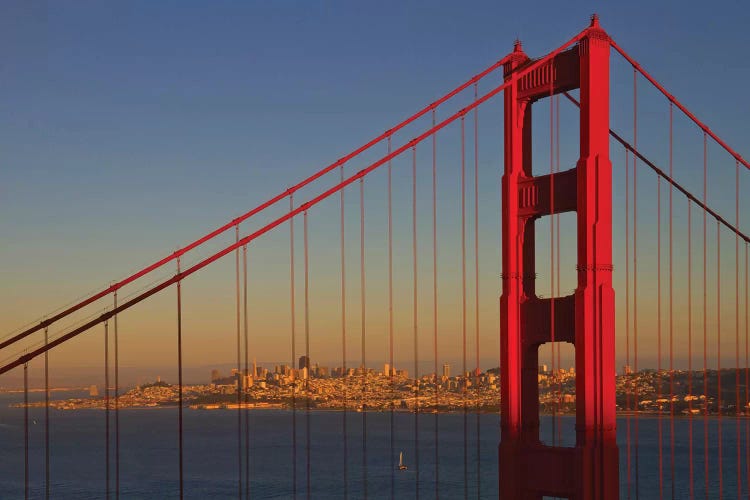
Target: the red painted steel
pixel 590 469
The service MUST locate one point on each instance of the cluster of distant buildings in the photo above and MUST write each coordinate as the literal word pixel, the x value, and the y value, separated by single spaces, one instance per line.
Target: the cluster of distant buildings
pixel 257 376
pixel 359 388
pixel 650 391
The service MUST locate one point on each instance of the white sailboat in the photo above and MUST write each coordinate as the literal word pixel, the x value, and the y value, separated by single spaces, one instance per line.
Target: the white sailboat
pixel 401 465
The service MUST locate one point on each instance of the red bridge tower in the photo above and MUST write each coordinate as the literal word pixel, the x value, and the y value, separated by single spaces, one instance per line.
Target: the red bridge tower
pixel 528 468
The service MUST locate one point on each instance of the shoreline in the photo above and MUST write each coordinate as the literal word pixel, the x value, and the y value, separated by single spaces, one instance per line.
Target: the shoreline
pixel 284 407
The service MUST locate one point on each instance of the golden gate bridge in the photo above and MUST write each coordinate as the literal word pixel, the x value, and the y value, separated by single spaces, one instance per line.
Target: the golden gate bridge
pixel 688 243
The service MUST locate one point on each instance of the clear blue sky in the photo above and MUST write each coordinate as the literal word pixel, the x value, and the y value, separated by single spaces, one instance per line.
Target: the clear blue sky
pixel 129 129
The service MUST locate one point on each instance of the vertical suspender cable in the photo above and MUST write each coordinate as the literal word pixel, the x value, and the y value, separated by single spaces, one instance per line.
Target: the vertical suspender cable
pixel 705 325
pixel 294 345
pixel 307 357
pixel 671 315
pixel 363 312
pixel 718 355
pixel 245 373
pixel 240 381
pixel 26 430
pixel 46 416
pixel 659 391
pixel 391 368
pixel 498 256
pixel 737 404
pixel 628 393
pixel 435 306
pixel 415 327
pixel 390 319
pixel 344 374
pixel 635 272
pixel 179 372
pixel 117 404
pixel 106 407
pixel 690 346
pixel 463 303
pixel 476 286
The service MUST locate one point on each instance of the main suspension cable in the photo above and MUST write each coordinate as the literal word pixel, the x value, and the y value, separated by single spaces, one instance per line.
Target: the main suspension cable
pixel 283 218
pixel 289 192
pixel 682 108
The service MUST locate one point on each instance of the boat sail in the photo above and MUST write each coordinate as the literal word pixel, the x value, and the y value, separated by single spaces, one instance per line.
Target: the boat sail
pixel 401 465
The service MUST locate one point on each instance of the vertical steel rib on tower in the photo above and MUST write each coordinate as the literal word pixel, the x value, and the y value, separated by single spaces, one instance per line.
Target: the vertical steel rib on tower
pixel 528 468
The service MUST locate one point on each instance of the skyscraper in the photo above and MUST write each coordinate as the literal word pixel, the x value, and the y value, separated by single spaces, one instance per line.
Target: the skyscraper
pixel 446 370
pixel 304 362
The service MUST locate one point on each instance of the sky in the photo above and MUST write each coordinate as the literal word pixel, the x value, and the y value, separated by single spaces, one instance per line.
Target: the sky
pixel 129 130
